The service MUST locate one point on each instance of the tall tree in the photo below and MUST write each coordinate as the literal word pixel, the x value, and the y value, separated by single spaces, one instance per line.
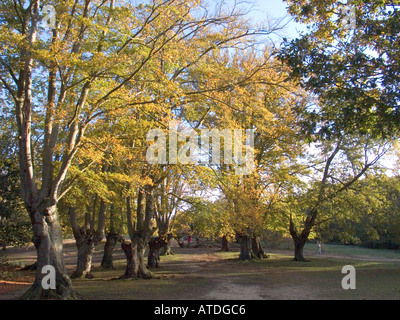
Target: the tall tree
pixel 62 81
pixel 344 162
pixel 353 68
pixel 169 196
pixel 264 102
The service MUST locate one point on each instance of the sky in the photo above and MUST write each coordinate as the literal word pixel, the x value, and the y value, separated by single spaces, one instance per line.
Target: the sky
pixel 276 9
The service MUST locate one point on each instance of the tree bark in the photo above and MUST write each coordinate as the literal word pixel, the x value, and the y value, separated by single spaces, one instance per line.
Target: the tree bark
pixel 107 261
pixel 165 249
pixel 143 272
pixel 85 244
pixel 48 241
pixel 246 252
pixel 257 248
pixel 130 251
pixel 101 225
pixel 299 249
pixel 141 236
pixel 135 262
pixel 86 238
pixel 225 244
pixel 300 239
pixel 153 258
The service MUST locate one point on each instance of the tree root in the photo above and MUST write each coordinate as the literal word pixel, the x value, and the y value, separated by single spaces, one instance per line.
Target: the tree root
pixel 36 292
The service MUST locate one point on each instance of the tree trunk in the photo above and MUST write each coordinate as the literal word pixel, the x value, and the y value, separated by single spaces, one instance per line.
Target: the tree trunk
pixel 225 244
pixel 136 264
pixel 145 231
pixel 300 239
pixel 257 248
pixel 107 261
pixel 84 239
pixel 130 251
pixel 153 258
pixel 143 272
pixel 246 252
pixel 85 244
pixel 101 225
pixel 299 244
pixel 165 249
pixel 48 241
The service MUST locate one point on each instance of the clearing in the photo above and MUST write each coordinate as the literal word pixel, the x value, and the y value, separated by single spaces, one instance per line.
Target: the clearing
pixel 207 274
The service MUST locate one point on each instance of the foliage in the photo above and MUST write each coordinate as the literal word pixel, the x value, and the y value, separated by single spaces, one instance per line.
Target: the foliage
pixel 368 215
pixel 207 219
pixel 15 230
pixel 265 102
pixel 354 73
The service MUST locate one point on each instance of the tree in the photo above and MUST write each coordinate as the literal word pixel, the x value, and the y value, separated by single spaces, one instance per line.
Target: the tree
pixel 169 196
pixel 345 162
pixel 112 237
pixel 140 232
pixel 353 75
pixel 61 82
pixel 353 71
pixel 208 219
pixel 86 206
pixel 265 102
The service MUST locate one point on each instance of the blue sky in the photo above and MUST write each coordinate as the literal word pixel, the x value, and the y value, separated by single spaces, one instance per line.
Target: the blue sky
pixel 265 9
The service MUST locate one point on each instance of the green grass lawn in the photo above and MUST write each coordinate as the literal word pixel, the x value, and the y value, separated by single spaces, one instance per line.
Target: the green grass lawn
pixel 207 274
pixel 354 251
pixel 278 277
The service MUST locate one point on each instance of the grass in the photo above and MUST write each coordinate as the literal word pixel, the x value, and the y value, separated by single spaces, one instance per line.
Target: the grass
pixel 352 251
pixel 320 277
pixel 278 277
pixel 197 273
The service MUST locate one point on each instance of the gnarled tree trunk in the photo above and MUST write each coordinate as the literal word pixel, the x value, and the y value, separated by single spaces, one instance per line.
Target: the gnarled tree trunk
pixel 165 249
pixel 107 261
pixel 300 239
pixel 299 244
pixel 86 238
pixel 153 258
pixel 250 246
pixel 85 244
pixel 135 261
pixel 257 248
pixel 49 244
pixel 246 252
pixel 130 251
pixel 140 234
